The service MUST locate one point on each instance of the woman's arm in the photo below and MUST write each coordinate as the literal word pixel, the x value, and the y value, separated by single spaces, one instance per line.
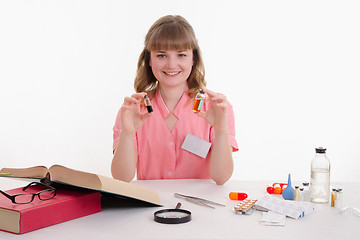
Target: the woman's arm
pixel 123 166
pixel 221 161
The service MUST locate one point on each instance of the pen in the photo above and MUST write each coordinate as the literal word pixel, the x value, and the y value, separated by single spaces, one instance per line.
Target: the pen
pixel 5 174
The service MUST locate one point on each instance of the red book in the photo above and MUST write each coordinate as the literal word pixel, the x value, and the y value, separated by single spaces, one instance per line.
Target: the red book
pixel 66 205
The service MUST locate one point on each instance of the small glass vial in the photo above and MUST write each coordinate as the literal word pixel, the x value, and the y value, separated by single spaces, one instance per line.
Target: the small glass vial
pixel 306 192
pixel 339 198
pixel 301 195
pixel 333 197
pixel 148 104
pixel 199 101
pixel 296 193
pixel 320 177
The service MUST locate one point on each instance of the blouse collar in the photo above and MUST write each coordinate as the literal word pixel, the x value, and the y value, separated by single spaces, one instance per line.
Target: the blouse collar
pixel 164 111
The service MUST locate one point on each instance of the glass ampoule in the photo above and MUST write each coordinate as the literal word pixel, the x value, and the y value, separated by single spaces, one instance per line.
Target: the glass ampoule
pixel 339 198
pixel 306 192
pixel 296 193
pixel 199 101
pixel 301 195
pixel 147 103
pixel 333 197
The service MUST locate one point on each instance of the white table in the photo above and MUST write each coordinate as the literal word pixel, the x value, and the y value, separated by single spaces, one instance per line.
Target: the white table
pixel 125 222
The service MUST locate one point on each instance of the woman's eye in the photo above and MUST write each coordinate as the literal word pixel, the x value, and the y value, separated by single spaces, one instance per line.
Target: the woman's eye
pixel 182 55
pixel 161 55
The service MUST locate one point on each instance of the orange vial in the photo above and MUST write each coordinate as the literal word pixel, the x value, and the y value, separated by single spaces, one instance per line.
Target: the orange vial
pixel 333 197
pixel 148 104
pixel 237 196
pixel 199 100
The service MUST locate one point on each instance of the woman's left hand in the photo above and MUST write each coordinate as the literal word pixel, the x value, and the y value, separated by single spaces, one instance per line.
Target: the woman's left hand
pixel 217 113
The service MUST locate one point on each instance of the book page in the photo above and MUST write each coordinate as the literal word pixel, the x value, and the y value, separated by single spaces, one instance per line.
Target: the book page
pixel 32 172
pixel 9 220
pixel 101 183
pixel 63 174
pixel 130 190
pixel 92 181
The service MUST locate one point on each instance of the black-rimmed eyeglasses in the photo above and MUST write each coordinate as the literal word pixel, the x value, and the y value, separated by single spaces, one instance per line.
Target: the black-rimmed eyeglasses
pixel 23 198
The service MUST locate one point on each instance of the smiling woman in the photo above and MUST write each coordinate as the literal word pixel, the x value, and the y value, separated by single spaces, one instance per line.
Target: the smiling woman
pixel 170 70
pixel 170 33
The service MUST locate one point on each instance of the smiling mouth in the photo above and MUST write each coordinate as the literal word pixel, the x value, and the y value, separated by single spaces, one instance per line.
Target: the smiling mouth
pixel 171 73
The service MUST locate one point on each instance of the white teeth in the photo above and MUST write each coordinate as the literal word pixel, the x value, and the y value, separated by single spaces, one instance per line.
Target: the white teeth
pixel 171 73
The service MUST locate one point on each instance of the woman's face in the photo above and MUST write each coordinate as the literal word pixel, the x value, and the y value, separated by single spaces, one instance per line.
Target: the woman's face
pixel 171 67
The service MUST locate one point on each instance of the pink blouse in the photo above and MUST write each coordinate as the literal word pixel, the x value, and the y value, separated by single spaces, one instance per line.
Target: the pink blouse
pixel 160 155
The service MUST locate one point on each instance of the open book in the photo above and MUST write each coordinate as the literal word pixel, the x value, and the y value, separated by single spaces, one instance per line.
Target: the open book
pixel 64 175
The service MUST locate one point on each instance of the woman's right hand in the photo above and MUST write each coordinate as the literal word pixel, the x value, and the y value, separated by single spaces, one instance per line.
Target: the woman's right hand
pixel 131 117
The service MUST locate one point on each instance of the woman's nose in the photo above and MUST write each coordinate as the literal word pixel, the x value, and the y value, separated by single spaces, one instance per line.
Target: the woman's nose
pixel 171 62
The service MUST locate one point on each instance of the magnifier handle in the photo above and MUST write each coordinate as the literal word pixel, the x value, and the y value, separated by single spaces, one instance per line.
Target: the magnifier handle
pixel 178 205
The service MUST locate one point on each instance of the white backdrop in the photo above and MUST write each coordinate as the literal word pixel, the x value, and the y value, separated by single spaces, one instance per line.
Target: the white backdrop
pixel 290 69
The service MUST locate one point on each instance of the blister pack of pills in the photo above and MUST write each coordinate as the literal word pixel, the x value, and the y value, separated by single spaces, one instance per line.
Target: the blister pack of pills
pixel 245 207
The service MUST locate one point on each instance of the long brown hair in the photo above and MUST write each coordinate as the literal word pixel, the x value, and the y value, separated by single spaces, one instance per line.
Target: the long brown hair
pixel 170 32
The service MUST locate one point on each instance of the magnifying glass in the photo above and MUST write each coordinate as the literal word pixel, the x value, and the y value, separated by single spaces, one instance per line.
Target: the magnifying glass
pixel 172 216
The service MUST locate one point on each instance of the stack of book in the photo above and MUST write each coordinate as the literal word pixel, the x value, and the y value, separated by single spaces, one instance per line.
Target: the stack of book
pixel 78 194
pixel 66 205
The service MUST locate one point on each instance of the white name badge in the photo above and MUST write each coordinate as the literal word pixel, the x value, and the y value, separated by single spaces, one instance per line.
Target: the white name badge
pixel 196 145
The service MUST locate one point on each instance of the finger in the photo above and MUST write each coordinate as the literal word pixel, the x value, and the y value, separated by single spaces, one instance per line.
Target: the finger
pixel 209 92
pixel 135 98
pixel 139 96
pixel 218 100
pixel 130 100
pixel 126 107
pixel 145 116
pixel 216 97
pixel 201 114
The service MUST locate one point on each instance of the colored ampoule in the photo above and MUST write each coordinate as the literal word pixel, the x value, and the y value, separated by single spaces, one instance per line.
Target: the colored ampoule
pixel 199 101
pixel 148 104
pixel 237 196
pixel 333 197
pixel 296 193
